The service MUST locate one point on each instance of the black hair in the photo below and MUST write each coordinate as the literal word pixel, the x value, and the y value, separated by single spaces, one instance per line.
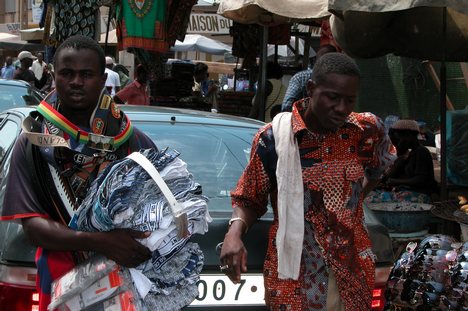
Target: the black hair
pixel 403 132
pixel 338 63
pixel 327 48
pixel 199 68
pixel 140 69
pixel 121 68
pixel 80 42
pixel 274 71
pixel 274 111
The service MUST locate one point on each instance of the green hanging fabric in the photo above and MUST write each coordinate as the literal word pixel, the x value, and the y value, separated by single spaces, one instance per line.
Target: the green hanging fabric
pixel 141 24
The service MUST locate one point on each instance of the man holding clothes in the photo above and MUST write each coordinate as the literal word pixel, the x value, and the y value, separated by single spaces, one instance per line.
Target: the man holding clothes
pixel 81 102
pixel 315 164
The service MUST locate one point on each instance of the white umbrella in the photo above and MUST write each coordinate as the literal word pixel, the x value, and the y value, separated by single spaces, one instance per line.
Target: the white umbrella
pixel 268 12
pixel 13 42
pixel 201 43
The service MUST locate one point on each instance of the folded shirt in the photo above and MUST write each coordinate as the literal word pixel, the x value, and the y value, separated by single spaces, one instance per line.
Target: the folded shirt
pixel 125 196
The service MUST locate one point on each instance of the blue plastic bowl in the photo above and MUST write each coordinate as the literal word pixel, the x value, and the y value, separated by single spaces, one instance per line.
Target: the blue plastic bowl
pixel 404 221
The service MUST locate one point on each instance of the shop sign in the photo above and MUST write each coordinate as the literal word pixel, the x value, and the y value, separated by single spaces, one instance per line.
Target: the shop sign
pixel 208 23
pixel 11 28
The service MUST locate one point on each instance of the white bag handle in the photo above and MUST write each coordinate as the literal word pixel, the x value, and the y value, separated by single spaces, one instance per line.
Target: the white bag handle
pixel 177 209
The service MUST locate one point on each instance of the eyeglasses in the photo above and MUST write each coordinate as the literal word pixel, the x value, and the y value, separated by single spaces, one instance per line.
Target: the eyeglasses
pixel 431 276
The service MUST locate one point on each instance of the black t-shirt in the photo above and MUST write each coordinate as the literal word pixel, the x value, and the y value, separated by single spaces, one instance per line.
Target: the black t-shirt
pixel 28 76
pixel 419 163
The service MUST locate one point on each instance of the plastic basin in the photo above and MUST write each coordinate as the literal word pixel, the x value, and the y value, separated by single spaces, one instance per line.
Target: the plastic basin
pixel 402 217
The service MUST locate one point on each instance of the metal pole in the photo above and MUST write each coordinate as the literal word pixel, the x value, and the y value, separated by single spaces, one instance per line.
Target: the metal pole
pixel 443 112
pixel 109 17
pixel 262 73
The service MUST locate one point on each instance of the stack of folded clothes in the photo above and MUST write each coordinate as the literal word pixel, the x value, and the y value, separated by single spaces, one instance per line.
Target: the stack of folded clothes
pixel 125 196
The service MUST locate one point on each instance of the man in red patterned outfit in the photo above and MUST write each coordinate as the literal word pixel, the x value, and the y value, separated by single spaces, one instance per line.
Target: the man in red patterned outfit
pixel 315 164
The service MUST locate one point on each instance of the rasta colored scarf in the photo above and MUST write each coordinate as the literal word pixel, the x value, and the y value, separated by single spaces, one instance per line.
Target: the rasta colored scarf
pixel 75 155
pixel 108 124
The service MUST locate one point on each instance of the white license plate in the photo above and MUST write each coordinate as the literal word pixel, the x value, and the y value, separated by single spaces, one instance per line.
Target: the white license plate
pixel 218 290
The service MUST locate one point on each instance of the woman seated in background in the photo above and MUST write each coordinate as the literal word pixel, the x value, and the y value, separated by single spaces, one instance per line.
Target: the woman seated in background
pixel 274 93
pixel 411 178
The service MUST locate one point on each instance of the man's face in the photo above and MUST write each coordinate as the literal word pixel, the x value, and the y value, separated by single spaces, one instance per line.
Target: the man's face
pixel 142 76
pixel 78 78
pixel 40 57
pixel 9 61
pixel 27 62
pixel 332 101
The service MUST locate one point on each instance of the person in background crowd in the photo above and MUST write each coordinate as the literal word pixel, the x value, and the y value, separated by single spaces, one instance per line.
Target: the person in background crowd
pixel 426 137
pixel 390 120
pixel 135 93
pixel 200 80
pixel 113 79
pixel 38 66
pixel 411 178
pixel 79 100
pixel 297 88
pixel 50 84
pixel 274 111
pixel 123 75
pixel 274 92
pixel 24 73
pixel 8 71
pixel 314 164
pixel 204 88
pixel 17 63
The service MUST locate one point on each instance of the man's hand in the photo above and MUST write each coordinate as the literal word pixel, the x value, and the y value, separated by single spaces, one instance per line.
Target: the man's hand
pixel 121 246
pixel 233 257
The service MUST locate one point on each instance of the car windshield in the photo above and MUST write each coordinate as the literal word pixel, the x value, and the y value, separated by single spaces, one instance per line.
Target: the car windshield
pixel 14 96
pixel 216 154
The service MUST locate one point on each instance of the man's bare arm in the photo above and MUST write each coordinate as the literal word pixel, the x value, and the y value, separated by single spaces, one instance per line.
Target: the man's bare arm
pixel 119 245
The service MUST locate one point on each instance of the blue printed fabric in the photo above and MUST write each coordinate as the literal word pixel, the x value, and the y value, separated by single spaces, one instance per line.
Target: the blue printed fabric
pixel 401 195
pixel 125 196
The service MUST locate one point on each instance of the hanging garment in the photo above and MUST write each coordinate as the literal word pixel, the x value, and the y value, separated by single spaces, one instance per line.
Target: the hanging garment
pixel 141 24
pixel 73 17
pixel 178 19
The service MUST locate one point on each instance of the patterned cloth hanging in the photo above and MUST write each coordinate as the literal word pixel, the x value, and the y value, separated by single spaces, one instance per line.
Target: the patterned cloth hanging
pixel 72 17
pixel 152 25
pixel 141 24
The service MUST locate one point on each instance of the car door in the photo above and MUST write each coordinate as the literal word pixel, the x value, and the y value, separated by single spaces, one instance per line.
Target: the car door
pixel 10 128
pixel 14 247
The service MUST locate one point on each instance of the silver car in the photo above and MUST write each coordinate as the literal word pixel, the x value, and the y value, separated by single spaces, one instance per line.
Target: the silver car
pixel 217 149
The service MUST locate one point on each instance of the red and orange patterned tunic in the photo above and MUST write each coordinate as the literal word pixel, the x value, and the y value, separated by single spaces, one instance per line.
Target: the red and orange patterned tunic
pixel 335 237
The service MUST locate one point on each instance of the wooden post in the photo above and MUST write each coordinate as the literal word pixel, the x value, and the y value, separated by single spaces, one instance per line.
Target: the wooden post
pixel 436 80
pixel 464 68
pixel 24 14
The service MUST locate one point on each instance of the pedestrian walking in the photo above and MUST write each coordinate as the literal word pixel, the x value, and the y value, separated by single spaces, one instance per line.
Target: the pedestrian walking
pixel 315 164
pixel 135 93
pixel 26 74
pixel 8 71
pixel 113 79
